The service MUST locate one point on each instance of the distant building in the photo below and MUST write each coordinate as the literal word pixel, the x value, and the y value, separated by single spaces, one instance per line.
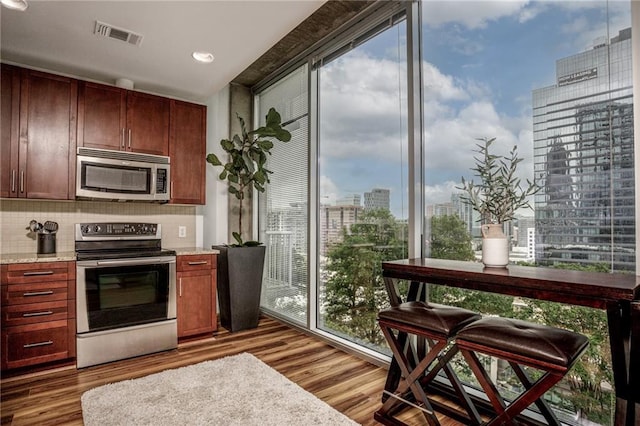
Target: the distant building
pixel 584 159
pixel 350 200
pixel 335 219
pixel 524 225
pixel 377 199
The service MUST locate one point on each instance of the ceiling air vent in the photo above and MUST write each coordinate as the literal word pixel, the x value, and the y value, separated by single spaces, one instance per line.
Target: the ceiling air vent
pixel 109 31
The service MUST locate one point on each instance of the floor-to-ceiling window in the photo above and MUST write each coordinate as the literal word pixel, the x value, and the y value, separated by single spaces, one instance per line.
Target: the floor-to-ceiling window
pixel 283 208
pixel 362 168
pixel 553 78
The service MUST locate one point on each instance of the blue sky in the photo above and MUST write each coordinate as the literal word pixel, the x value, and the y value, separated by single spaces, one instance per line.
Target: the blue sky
pixel 481 61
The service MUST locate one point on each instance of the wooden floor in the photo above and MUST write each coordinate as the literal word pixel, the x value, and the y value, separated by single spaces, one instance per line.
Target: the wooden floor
pixel 344 381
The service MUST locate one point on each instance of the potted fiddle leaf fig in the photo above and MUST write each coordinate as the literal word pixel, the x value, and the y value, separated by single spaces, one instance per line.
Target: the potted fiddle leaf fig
pixel 497 196
pixel 240 264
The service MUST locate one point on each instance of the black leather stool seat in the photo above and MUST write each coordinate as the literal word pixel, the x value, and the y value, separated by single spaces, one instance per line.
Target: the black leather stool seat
pixel 430 323
pixel 441 319
pixel 546 344
pixel 548 349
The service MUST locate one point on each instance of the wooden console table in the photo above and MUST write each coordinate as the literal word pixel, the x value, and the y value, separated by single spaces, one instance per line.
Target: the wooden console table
pixel 618 294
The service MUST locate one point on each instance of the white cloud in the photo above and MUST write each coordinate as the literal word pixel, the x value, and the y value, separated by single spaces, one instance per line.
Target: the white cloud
pixel 360 100
pixel 439 86
pixel 440 193
pixel 328 191
pixel 360 122
pixel 472 14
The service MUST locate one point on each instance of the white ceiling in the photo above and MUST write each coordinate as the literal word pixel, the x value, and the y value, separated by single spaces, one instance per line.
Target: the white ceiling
pixel 58 36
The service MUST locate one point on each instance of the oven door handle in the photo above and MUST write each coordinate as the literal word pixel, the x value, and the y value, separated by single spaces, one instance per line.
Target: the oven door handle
pixel 136 261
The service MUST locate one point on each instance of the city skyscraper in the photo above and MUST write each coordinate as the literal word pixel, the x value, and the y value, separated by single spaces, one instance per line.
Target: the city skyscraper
pixel 584 159
pixel 378 198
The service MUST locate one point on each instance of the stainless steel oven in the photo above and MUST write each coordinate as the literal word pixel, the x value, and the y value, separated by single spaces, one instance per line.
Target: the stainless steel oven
pixel 126 292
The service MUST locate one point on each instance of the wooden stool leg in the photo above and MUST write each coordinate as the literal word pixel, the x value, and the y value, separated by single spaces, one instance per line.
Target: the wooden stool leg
pixel 527 398
pixel 485 381
pixel 465 401
pixel 540 402
pixel 411 378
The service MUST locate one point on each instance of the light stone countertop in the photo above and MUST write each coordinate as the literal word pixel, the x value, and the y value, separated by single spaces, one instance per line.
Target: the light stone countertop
pixel 181 251
pixel 9 258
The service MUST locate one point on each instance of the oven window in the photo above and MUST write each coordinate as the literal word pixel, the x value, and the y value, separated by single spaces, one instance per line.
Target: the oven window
pixel 126 295
pixel 119 291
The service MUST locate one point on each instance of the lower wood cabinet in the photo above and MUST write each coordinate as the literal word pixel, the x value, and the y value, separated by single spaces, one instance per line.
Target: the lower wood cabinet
pixel 196 282
pixel 38 313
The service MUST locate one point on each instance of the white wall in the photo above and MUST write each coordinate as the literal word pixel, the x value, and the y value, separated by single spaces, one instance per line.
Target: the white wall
pixel 211 219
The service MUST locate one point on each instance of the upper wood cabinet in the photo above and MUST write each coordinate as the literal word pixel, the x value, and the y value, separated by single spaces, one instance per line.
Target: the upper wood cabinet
pixel 9 130
pixel 39 113
pixel 119 119
pixel 187 146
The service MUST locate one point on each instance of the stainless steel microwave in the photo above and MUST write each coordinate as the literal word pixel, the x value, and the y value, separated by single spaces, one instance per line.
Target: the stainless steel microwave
pixel 122 176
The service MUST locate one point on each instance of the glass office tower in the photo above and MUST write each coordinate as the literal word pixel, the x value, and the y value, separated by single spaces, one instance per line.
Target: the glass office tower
pixel 584 159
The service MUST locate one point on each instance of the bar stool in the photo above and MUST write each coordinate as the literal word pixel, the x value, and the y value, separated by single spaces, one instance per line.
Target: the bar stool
pixel 521 343
pixel 437 324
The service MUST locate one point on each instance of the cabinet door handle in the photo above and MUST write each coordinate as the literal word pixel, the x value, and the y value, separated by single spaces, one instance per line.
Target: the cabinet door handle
pixel 35 345
pixel 34 273
pixel 22 181
pixel 13 180
pixel 129 138
pixel 180 286
pixel 122 138
pixel 37 293
pixel 37 314
pixel 200 262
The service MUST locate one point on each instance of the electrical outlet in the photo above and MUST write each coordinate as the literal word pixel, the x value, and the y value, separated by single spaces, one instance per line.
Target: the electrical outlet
pixel 182 231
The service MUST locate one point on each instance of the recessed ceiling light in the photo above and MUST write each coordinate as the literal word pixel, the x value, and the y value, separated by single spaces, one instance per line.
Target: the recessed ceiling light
pixel 204 57
pixel 20 5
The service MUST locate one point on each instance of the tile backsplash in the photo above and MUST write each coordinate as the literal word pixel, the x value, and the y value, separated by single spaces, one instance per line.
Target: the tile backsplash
pixel 16 214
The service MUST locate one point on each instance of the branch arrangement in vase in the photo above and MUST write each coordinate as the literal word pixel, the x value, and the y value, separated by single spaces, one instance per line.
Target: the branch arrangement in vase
pixel 247 158
pixel 499 194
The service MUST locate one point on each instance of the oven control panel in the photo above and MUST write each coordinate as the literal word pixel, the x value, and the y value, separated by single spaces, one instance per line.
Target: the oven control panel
pixel 118 229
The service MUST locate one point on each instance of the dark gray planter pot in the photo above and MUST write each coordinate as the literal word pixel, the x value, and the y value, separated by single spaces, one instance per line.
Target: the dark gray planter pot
pixel 239 286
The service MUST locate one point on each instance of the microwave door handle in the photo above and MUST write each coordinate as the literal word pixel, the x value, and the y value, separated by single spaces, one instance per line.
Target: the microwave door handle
pixel 154 182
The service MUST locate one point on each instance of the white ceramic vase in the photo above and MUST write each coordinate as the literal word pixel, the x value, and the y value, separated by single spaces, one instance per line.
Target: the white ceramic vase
pixel 495 246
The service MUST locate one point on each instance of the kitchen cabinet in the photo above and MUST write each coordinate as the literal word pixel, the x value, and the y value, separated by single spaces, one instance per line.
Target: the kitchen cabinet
pixel 39 112
pixel 187 146
pixel 10 109
pixel 38 313
pixel 196 276
pixel 113 118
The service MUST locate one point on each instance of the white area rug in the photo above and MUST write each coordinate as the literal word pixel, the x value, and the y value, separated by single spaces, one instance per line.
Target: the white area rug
pixel 236 390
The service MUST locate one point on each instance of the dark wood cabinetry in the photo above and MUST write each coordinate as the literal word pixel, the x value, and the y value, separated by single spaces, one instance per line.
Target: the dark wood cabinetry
pixel 102 116
pixel 187 149
pixel 114 118
pixel 45 117
pixel 9 130
pixel 38 313
pixel 38 134
pixel 196 275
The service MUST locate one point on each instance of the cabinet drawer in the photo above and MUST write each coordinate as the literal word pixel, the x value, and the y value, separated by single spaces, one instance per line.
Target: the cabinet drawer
pixel 36 343
pixel 196 262
pixel 22 273
pixel 31 313
pixel 47 291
